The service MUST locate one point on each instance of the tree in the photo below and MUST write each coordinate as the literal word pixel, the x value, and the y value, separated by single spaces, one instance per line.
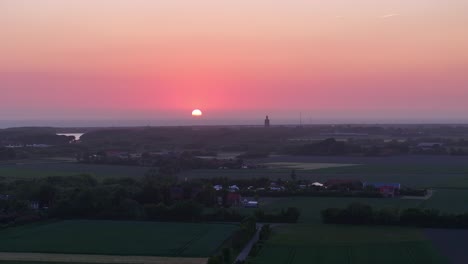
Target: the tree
pixel 293 175
pixel 227 255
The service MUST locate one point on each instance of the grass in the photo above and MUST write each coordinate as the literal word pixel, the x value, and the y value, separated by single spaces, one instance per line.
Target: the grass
pixel 306 165
pixel 39 262
pixel 117 238
pixel 448 201
pixel 399 168
pixel 36 262
pixel 310 243
pixel 37 170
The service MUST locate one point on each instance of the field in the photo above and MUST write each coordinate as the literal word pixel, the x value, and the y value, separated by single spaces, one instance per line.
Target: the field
pixel 42 258
pixel 309 243
pixel 448 201
pixel 117 238
pixel 44 169
pixel 306 166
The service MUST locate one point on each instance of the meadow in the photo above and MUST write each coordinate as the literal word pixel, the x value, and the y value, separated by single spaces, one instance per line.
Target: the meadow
pixel 448 201
pixel 311 243
pixel 44 169
pixel 306 166
pixel 117 238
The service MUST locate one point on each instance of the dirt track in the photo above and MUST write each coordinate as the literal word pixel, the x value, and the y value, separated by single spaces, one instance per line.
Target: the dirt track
pixel 98 258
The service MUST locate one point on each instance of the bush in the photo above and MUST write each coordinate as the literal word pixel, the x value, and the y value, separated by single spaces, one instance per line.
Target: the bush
pixel 364 214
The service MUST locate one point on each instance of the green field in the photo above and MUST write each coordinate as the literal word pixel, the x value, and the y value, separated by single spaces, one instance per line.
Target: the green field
pixel 117 238
pixel 329 244
pixel 38 169
pixel 448 201
pixel 306 165
pixel 38 262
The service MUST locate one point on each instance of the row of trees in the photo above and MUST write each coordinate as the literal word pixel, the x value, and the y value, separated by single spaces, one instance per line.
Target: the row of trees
pixel 248 228
pixel 361 214
pixel 155 197
pixel 173 162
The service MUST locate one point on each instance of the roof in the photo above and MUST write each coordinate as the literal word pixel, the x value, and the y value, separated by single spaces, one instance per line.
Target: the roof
pixel 382 184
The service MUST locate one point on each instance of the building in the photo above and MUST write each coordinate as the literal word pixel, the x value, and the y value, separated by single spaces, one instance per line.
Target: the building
pixel 233 199
pixel 267 121
pixel 251 204
pixel 386 189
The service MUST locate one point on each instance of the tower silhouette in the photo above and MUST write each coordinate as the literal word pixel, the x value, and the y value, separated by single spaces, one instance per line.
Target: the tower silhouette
pixel 267 121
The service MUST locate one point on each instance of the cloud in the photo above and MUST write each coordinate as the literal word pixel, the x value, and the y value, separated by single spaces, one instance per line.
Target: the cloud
pixel 390 15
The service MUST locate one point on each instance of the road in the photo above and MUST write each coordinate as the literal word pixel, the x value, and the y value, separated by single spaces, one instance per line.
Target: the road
pixel 245 252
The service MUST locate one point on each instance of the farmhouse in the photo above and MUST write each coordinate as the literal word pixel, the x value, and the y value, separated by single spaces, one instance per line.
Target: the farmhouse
pixel 233 199
pixel 386 189
pixel 251 204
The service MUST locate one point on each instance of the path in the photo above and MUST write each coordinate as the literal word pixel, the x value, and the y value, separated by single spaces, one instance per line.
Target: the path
pixel 425 197
pixel 83 258
pixel 245 252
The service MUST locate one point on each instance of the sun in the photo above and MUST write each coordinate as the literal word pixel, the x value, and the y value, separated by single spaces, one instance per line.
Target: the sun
pixel 197 113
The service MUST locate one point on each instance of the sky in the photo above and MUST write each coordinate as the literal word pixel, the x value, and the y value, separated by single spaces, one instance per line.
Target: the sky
pixel 342 60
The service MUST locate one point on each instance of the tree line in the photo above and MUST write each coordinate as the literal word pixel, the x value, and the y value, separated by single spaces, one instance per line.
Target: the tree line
pixel 362 214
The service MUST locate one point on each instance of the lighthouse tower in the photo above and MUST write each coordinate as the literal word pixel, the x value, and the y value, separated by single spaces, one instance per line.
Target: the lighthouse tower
pixel 267 122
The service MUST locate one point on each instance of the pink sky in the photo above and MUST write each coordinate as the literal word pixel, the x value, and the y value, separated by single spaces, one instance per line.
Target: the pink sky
pixel 137 59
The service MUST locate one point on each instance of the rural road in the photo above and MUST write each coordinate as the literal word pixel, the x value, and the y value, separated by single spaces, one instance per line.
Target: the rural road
pixel 245 252
pixel 426 197
pixel 83 258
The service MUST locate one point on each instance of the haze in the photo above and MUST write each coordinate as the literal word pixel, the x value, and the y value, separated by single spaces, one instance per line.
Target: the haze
pixel 348 60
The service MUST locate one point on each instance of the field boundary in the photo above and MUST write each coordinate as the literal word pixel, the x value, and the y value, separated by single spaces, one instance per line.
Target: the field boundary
pixel 425 197
pixel 84 258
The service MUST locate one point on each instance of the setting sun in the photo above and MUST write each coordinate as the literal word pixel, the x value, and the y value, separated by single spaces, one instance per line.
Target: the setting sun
pixel 197 113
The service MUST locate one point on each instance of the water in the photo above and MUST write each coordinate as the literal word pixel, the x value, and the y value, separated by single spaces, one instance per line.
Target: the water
pixel 76 135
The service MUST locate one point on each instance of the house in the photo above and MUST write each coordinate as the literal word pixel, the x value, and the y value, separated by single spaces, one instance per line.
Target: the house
pixel 251 204
pixel 6 197
pixel 429 145
pixel 386 189
pixel 233 199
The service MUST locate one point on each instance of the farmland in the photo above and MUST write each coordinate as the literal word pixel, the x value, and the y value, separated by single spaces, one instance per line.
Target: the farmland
pixel 304 243
pixel 41 258
pixel 307 166
pixel 117 238
pixel 448 201
pixel 45 169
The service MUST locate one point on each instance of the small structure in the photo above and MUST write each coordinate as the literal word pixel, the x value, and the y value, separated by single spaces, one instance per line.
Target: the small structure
pixel 233 199
pixel 251 204
pixel 429 145
pixel 386 189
